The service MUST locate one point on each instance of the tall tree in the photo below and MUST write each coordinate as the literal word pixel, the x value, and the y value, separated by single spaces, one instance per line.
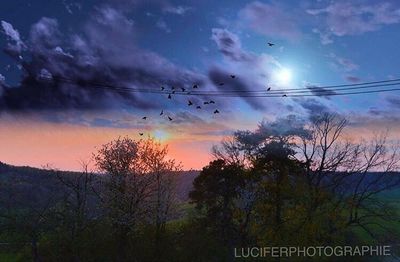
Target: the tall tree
pixel 138 187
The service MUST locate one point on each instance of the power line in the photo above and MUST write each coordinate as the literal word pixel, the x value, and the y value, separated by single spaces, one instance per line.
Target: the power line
pixel 329 90
pixel 313 88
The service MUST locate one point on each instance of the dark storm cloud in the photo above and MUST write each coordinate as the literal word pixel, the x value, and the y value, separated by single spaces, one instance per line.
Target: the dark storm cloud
pixel 394 101
pixel 313 106
pixel 353 79
pixel 218 76
pixel 104 52
pixel 320 91
pixel 229 45
pixel 375 111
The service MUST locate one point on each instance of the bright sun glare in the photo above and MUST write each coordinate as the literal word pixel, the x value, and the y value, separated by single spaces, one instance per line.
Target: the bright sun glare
pixel 160 135
pixel 284 76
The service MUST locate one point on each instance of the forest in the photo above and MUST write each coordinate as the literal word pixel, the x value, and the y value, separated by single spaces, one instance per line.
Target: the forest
pixel 290 182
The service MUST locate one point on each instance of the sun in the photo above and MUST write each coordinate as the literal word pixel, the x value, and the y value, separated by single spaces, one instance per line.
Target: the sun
pixel 160 135
pixel 283 76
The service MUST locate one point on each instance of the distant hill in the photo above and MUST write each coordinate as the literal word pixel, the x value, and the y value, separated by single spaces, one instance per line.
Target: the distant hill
pixel 31 184
pixel 184 183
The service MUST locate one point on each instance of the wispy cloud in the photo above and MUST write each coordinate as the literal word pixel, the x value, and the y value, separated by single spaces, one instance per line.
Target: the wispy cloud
pixel 343 64
pixel 161 24
pixel 271 20
pixel 341 18
pixel 177 10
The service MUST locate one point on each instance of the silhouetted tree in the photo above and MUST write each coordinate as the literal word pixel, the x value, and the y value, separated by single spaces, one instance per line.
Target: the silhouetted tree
pixel 138 187
pixel 216 191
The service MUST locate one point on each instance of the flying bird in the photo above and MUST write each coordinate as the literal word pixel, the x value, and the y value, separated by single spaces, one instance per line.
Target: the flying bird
pixel 144 118
pixel 212 102
pixel 162 112
pixel 183 89
pixel 216 111
pixel 233 76
pixel 284 95
pixel 195 86
pixel 270 44
pixel 190 103
pixel 269 89
pixel 198 107
pixel 170 119
pixel 206 103
pixel 169 96
pixel 173 92
pixel 162 88
pixel 141 134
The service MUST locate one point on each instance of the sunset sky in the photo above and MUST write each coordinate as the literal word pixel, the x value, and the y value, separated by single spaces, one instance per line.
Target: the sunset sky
pixel 101 49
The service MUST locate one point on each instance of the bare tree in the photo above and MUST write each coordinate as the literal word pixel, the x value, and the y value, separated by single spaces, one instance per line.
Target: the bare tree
pixel 334 183
pixel 77 210
pixel 346 178
pixel 24 217
pixel 139 185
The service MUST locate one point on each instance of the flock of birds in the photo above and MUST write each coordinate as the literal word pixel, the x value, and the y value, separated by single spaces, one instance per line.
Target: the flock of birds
pixel 190 103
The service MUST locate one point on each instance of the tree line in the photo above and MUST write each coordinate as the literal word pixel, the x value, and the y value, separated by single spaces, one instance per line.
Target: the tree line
pixel 290 182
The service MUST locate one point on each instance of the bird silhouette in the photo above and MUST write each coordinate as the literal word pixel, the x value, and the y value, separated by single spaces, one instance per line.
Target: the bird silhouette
pixel 284 95
pixel 169 96
pixel 212 102
pixel 183 89
pixel 190 103
pixel 162 112
pixel 173 92
pixel 195 86
pixel 170 119
pixel 198 107
pixel 144 118
pixel 206 103
pixel 162 88
pixel 141 134
pixel 233 76
pixel 216 111
pixel 269 89
pixel 270 44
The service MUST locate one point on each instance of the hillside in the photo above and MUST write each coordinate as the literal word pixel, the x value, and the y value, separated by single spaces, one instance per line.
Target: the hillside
pixel 31 184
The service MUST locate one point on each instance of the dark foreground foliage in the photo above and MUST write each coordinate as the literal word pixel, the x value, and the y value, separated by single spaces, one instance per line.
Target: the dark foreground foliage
pixel 288 183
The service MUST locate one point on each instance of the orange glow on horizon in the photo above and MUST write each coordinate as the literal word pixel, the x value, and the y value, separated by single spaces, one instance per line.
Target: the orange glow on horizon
pixel 63 146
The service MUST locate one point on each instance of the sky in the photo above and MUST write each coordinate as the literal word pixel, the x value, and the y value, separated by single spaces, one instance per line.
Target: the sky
pixel 76 74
